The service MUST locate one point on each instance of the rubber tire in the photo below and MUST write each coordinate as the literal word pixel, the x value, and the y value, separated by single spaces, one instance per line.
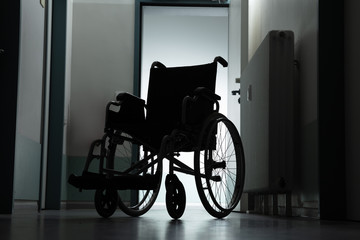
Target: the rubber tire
pixel 175 197
pixel 208 190
pixel 106 202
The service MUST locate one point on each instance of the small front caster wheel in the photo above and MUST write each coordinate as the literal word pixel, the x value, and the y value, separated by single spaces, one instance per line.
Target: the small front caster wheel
pixel 175 196
pixel 106 201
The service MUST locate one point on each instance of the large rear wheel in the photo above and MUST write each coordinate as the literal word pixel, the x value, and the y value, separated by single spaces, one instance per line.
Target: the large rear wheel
pixel 219 166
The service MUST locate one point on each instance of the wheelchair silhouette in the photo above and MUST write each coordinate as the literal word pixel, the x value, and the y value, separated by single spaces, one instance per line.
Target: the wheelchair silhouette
pixel 182 115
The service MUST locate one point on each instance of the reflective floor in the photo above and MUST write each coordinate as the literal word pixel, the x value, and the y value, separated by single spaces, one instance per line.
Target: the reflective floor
pixel 196 223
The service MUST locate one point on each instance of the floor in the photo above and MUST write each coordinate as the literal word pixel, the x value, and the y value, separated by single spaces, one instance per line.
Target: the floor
pixel 196 223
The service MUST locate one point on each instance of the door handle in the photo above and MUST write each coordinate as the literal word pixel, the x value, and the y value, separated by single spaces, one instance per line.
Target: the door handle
pixel 234 92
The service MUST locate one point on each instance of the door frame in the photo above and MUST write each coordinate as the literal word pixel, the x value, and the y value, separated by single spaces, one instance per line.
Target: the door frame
pixel 53 155
pixel 223 50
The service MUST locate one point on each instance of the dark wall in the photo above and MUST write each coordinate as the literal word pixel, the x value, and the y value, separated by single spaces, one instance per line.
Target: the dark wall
pixel 9 57
pixel 331 110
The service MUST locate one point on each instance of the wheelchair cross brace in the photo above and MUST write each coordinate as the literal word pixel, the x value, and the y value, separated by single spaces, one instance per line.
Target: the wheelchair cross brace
pixel 168 145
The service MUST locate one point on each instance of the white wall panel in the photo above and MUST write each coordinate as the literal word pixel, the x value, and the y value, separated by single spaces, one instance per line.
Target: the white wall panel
pixel 101 63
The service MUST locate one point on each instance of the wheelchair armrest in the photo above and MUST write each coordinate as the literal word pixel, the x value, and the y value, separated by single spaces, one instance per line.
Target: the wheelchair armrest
pixel 207 93
pixel 196 109
pixel 128 109
pixel 124 96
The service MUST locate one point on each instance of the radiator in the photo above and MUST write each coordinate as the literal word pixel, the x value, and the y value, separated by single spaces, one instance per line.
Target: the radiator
pixel 267 115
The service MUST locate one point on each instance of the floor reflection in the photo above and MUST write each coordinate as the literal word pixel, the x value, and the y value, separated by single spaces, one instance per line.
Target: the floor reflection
pixel 196 223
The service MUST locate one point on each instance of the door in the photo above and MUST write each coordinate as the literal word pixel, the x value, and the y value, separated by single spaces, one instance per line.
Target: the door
pixel 29 102
pixel 9 55
pixel 186 35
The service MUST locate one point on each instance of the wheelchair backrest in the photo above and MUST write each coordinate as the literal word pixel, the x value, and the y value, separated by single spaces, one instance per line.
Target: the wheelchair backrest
pixel 167 88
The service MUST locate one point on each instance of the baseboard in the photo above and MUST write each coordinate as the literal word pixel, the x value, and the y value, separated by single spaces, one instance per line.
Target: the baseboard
pixel 25 205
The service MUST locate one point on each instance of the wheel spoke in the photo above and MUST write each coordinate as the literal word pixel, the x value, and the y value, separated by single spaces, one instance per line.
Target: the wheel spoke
pixel 220 197
pixel 127 152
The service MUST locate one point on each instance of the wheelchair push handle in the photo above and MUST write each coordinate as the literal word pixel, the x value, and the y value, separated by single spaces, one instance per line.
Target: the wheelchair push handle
pixel 157 64
pixel 221 60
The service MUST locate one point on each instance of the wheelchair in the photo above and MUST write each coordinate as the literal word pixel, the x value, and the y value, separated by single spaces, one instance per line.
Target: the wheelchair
pixel 181 114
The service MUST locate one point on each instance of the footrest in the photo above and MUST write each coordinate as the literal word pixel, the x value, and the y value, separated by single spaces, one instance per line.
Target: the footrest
pixel 97 181
pixel 88 181
pixel 135 182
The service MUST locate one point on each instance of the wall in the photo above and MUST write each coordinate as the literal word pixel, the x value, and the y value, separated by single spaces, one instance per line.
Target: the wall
pixel 101 63
pixel 352 106
pixel 302 18
pixel 28 147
